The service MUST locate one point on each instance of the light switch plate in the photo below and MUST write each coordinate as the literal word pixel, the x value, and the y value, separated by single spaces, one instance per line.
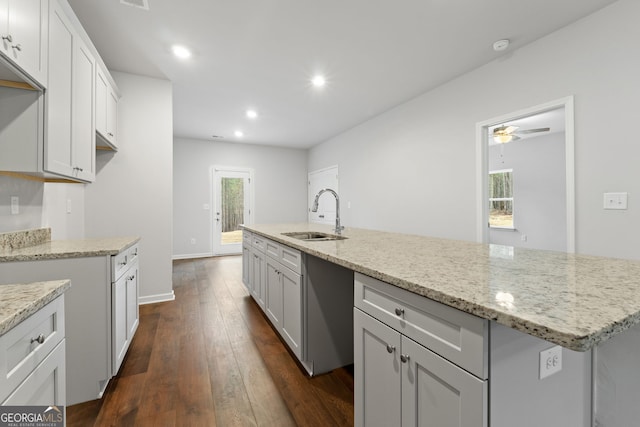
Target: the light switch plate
pixel 615 200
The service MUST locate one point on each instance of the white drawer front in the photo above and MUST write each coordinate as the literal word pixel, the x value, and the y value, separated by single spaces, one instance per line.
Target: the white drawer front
pixel 24 347
pixel 247 237
pixel 291 258
pixel 273 249
pixel 259 242
pixel 457 336
pixel 121 262
pixel 288 257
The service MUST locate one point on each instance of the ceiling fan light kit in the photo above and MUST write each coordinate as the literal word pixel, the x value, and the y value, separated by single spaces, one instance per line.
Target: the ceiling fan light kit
pixel 503 134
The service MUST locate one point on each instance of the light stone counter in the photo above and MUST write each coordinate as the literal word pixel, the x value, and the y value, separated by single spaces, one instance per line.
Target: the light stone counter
pixel 576 301
pixel 56 249
pixel 19 301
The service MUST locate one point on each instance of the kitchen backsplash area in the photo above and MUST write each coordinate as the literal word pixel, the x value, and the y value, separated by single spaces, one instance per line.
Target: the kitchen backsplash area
pixel 58 206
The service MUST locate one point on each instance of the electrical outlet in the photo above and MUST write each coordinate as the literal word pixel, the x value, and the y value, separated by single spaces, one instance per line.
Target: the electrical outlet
pixel 193 241
pixel 550 361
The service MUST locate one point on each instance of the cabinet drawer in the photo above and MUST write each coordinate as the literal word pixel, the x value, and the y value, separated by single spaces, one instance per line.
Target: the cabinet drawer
pixel 457 336
pixel 288 257
pixel 24 347
pixel 258 242
pixel 120 262
pixel 247 237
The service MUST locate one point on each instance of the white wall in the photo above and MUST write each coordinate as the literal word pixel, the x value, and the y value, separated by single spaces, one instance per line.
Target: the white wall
pixel 538 190
pixel 30 194
pixel 413 169
pixel 132 194
pixel 280 187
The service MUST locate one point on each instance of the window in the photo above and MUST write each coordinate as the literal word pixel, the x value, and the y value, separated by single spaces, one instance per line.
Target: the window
pixel 501 198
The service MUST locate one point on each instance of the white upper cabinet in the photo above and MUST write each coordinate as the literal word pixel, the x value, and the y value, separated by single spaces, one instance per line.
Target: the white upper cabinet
pixel 23 28
pixel 69 139
pixel 106 112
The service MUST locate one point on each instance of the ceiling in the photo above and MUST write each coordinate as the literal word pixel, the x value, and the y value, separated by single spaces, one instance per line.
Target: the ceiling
pixel 261 54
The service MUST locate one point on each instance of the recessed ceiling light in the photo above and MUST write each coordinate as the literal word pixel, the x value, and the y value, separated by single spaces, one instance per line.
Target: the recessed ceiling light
pixel 238 134
pixel 501 45
pixel 318 81
pixel 252 114
pixel 181 51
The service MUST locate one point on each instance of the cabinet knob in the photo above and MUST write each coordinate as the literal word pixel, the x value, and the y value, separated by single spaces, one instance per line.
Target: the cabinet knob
pixel 390 348
pixel 131 277
pixel 7 38
pixel 404 358
pixel 399 311
pixel 110 134
pixel 39 339
pixel 17 47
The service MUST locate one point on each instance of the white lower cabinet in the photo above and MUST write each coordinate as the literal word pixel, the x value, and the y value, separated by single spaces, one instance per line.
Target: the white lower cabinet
pixel 402 382
pixel 32 359
pixel 307 300
pixel 277 288
pixel 125 314
pixel 101 314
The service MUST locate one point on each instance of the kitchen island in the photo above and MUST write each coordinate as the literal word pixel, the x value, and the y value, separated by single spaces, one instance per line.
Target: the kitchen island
pixel 530 297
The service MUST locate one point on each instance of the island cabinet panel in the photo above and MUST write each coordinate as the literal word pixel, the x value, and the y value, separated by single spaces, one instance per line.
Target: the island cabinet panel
pixel 518 397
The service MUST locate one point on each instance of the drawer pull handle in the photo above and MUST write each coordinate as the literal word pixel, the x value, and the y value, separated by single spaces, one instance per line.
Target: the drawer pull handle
pixel 404 358
pixel 390 348
pixel 39 339
pixel 399 311
pixel 8 38
pixel 131 277
pixel 17 47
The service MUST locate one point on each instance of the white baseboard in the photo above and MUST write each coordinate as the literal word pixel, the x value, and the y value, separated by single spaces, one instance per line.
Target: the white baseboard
pixel 189 256
pixel 150 299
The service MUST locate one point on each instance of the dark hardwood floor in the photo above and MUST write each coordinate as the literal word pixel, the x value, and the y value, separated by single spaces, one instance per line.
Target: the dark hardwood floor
pixel 210 358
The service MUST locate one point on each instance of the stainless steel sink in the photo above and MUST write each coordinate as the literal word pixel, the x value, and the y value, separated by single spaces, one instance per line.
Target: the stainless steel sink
pixel 313 236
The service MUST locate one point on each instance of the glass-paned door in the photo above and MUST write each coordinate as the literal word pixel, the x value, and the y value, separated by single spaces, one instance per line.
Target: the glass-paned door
pixel 231 209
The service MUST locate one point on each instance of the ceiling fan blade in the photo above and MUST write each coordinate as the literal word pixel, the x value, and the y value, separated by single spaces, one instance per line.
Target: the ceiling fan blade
pixel 525 131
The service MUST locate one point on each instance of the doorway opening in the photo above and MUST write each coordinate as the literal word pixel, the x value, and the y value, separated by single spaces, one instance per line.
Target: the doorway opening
pixel 232 201
pixel 530 153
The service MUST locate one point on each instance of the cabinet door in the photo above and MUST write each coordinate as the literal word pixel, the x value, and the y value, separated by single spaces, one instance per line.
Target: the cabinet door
pixel 377 380
pixel 133 315
pixel 101 103
pixel 83 140
pixel 437 393
pixel 247 262
pixel 57 157
pixel 291 310
pixel 112 117
pixel 258 278
pixel 273 297
pixel 26 25
pixel 45 385
pixel 119 322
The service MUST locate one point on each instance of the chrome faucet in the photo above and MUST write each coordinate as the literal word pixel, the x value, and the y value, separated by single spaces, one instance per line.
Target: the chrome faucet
pixel 338 228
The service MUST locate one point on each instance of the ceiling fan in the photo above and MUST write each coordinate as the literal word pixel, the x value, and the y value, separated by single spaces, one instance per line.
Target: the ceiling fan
pixel 504 133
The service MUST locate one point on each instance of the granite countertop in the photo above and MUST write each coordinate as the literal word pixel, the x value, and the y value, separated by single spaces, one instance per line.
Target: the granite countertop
pixel 55 249
pixel 19 301
pixel 576 301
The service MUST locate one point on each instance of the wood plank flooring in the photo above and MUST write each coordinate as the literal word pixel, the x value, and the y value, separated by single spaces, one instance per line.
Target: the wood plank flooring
pixel 210 358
